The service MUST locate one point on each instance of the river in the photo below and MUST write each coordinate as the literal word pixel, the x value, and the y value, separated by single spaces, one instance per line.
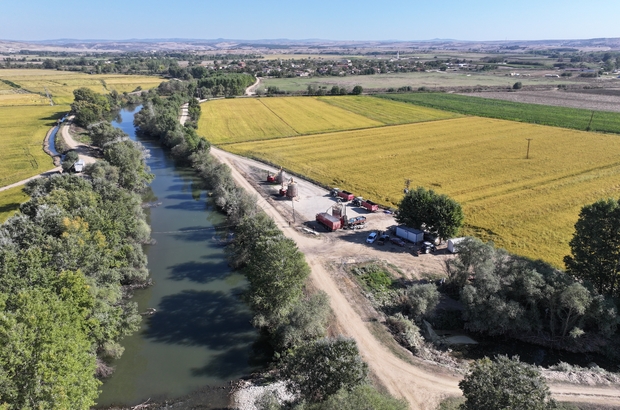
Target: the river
pixel 200 334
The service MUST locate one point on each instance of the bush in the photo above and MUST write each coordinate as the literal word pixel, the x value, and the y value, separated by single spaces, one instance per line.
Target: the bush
pixel 406 332
pixel 421 299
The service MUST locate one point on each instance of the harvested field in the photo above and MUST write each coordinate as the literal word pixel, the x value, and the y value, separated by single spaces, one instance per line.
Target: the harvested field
pixel 573 99
pixel 21 141
pixel 527 206
pixel 579 119
pixel 310 116
pixel 386 111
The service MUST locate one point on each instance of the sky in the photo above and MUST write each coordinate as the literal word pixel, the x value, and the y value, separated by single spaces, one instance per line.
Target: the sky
pixel 474 20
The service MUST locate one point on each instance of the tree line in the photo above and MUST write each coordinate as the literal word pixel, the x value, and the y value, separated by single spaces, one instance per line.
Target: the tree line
pixel 68 262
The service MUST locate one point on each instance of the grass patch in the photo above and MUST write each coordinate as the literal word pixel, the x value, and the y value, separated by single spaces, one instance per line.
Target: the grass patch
pixel 528 206
pixel 21 141
pixel 10 200
pixel 565 117
pixel 451 403
pixel 373 277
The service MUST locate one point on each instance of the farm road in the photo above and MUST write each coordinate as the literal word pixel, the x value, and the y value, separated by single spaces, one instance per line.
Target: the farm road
pixel 422 385
pixel 251 90
pixel 84 151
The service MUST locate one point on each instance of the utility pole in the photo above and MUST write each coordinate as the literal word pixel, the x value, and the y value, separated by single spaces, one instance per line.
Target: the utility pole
pixel 293 200
pixel 527 156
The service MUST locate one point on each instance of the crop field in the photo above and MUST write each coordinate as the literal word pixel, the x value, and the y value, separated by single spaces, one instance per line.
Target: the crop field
pixel 387 112
pixel 310 116
pixel 432 80
pixel 574 118
pixel 582 99
pixel 21 140
pixel 62 83
pixel 235 120
pixel 528 206
pixel 10 200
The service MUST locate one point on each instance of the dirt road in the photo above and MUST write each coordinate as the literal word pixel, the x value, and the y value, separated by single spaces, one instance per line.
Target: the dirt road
pixel 85 152
pixel 251 90
pixel 422 385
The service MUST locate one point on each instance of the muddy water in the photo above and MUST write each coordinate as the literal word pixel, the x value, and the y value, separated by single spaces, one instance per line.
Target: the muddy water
pixel 200 334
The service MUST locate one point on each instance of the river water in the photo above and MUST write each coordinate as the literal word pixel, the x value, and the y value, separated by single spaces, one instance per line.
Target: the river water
pixel 200 334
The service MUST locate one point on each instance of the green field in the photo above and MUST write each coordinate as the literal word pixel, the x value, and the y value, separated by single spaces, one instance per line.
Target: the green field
pixel 10 200
pixel 21 141
pixel 537 114
pixel 432 80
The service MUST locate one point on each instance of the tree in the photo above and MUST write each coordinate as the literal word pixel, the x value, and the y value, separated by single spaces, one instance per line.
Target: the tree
pixel 319 369
pixel 45 360
pixel 422 299
pixel 425 209
pixel 357 90
pixel 595 247
pixel 70 158
pixel 504 384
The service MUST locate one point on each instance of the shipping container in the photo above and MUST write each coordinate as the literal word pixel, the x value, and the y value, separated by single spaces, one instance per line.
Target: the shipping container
pixel 410 234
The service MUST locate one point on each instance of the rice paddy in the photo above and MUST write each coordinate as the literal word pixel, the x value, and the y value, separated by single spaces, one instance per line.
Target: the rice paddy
pixel 21 141
pixel 61 84
pixel 528 206
pixel 387 112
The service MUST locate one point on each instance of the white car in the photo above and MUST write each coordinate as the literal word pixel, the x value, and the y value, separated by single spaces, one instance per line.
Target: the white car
pixel 372 237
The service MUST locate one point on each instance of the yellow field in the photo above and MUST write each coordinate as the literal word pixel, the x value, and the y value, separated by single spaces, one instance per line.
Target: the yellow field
pixel 10 200
pixel 62 83
pixel 310 116
pixel 224 121
pixel 386 111
pixel 526 206
pixel 11 99
pixel 21 140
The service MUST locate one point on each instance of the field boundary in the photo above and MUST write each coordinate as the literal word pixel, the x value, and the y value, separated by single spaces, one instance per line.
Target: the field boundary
pixel 280 118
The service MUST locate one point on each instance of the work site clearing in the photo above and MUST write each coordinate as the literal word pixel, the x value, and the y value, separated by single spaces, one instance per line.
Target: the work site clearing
pixel 525 202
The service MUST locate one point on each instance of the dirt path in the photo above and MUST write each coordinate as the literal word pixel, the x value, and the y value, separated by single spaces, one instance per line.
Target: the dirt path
pixel 85 152
pixel 422 385
pixel 251 90
pixel 24 181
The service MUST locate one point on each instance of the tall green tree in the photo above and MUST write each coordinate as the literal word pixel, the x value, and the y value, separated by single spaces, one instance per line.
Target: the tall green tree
pixel 425 209
pixel 595 247
pixel 505 384
pixel 319 369
pixel 46 360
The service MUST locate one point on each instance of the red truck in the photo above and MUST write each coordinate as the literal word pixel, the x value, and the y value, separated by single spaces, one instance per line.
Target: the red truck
pixel 346 195
pixel 329 221
pixel 370 206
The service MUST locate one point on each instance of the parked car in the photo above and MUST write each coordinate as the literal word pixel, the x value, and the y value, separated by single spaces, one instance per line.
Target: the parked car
pixel 429 237
pixel 383 239
pixel 427 247
pixel 372 237
pixel 397 241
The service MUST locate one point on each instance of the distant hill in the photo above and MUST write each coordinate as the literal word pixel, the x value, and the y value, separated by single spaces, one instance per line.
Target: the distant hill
pixel 301 46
